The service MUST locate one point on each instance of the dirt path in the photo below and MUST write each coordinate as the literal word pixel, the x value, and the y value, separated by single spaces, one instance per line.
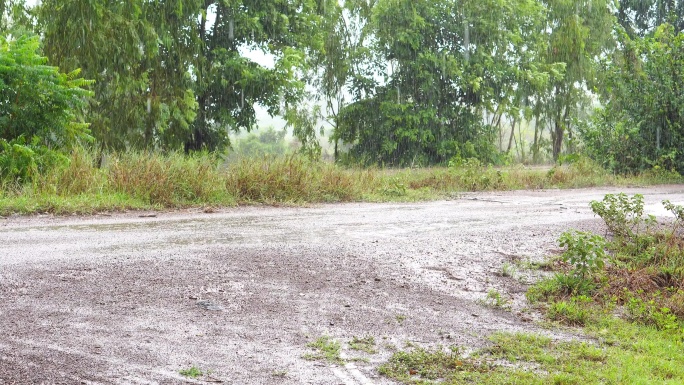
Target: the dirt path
pixel 238 294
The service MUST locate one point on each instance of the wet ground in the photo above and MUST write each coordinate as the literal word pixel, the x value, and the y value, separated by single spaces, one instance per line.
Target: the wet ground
pixel 135 298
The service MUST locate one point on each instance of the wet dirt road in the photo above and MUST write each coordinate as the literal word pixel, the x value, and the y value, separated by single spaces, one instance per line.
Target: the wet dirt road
pixel 238 294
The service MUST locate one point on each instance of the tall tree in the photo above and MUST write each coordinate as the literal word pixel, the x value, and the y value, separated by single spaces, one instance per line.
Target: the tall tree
pixel 642 124
pixel 449 62
pixel 580 31
pixel 642 17
pixel 345 68
pixel 177 73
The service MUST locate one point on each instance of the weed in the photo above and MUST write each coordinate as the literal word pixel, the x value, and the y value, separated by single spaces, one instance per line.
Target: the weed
pixel 326 349
pixel 400 319
pixel 507 270
pixel 366 344
pixel 623 215
pixel 279 373
pixel 543 290
pixel 395 188
pixel 495 299
pixel 192 372
pixel 405 366
pixel 649 313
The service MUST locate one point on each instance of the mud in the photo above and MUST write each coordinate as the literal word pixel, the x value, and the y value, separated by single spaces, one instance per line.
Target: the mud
pixel 133 298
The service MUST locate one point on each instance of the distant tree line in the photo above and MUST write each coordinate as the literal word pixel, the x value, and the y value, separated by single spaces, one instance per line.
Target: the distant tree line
pixel 401 82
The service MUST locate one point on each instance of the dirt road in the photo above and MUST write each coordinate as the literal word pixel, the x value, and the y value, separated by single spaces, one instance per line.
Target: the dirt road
pixel 238 294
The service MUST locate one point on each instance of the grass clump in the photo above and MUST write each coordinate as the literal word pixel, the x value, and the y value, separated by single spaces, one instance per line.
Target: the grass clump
pixel 192 372
pixel 326 349
pixel 365 344
pixel 619 352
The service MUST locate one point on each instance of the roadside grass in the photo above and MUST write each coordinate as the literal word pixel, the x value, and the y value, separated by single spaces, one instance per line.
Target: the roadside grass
pixel 626 308
pixel 89 183
pixel 615 351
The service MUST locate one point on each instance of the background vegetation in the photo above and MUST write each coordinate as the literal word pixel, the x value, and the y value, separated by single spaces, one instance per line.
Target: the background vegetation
pixel 394 83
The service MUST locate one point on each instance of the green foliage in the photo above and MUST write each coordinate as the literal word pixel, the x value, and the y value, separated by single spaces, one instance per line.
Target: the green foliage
pixel 192 372
pixel 642 125
pixel 496 300
pixel 623 215
pixel 366 344
pixel 326 349
pixel 429 108
pixel 425 364
pixel 649 313
pixel 579 35
pixel 257 145
pixel 584 251
pixel 574 312
pixel 171 77
pixel 40 109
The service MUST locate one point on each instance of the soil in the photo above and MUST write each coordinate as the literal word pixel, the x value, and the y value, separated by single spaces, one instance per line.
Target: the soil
pixel 135 298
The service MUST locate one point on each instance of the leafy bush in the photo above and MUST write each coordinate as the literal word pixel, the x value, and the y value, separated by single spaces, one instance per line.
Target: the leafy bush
pixel 40 109
pixel 623 215
pixel 585 252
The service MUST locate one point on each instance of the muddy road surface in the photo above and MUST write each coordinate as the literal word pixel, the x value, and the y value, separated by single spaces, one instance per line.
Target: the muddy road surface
pixel 238 294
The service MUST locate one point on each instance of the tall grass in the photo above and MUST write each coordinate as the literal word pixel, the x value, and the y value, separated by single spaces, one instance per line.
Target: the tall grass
pixel 121 181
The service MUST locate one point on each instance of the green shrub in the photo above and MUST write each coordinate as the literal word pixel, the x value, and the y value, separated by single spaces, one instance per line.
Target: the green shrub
pixel 649 313
pixel 40 109
pixel 584 251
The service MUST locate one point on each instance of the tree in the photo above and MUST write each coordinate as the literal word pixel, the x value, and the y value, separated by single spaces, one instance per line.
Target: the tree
pixel 40 107
pixel 580 31
pixel 641 17
pixel 174 74
pixel 450 61
pixel 642 124
pixel 345 67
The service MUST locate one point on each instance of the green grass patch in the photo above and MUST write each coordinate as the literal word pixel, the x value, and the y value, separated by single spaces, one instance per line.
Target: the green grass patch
pixel 629 304
pixel 192 372
pixel 618 352
pixel 325 349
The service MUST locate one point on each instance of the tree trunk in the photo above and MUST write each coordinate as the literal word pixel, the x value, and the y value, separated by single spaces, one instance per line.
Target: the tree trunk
pixel 535 145
pixel 510 138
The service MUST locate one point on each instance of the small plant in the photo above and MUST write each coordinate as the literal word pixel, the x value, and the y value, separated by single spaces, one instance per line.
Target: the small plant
pixel 400 319
pixel 623 215
pixel 584 251
pixel 366 344
pixel 405 366
pixel 327 349
pixel 495 299
pixel 396 188
pixel 279 373
pixel 648 313
pixel 507 270
pixel 192 372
